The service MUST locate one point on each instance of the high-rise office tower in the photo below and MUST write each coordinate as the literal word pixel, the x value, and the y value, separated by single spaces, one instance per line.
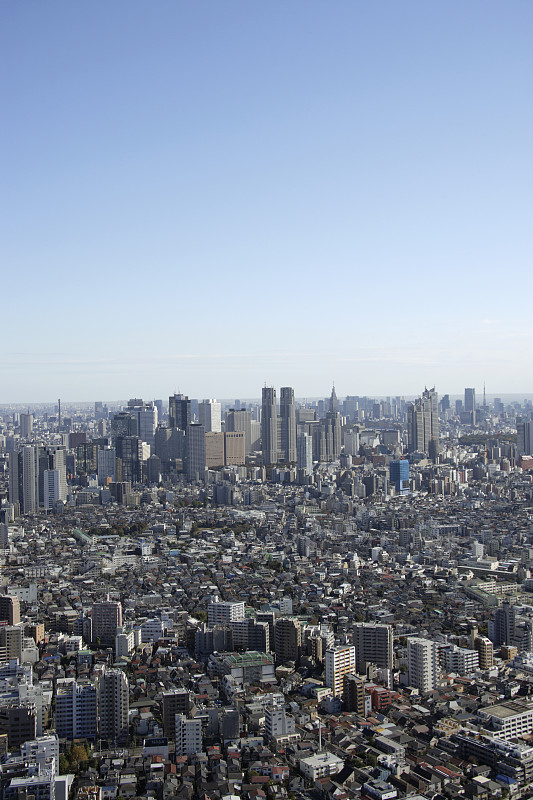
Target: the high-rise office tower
pixel 333 402
pixel 107 465
pixel 399 475
pixel 55 487
pixel 288 424
pixel 470 403
pixel 26 425
pixel 146 417
pixel 423 423
pixel 179 411
pixel 339 661
pixel 23 478
pixel 195 452
pixel 422 656
pixel 124 424
pixel 234 447
pixel 129 458
pixel 333 435
pixel 214 449
pixel 269 426
pixel 113 705
pixel 305 453
pixel 524 439
pixel 210 416
pixel 373 645
pixel 239 420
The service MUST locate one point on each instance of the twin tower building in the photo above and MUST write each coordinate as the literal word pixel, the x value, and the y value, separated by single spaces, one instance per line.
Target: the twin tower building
pixel 298 436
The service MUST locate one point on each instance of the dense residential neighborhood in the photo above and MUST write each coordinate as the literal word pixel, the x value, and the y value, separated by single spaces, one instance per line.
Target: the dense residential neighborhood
pixel 341 608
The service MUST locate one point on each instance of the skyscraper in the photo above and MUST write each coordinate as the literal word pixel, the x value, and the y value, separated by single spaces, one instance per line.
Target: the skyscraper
pixel 305 453
pixel 210 416
pixel 179 411
pixel 423 423
pixel 524 439
pixel 239 420
pixel 23 478
pixel 470 404
pixel 195 452
pixel 399 475
pixel 288 424
pixel 269 426
pixel 146 416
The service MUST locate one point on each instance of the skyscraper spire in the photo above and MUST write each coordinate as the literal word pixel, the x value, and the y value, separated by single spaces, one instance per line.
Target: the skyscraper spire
pixel 333 402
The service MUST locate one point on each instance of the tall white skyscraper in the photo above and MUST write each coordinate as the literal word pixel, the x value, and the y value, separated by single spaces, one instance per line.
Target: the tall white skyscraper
pixel 209 412
pixel 422 656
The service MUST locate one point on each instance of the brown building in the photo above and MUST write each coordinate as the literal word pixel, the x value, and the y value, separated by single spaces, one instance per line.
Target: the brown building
pixel 353 693
pixel 175 702
pixel 234 447
pixel 9 609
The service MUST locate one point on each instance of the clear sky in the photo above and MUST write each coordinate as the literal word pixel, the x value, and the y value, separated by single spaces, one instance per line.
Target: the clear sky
pixel 208 196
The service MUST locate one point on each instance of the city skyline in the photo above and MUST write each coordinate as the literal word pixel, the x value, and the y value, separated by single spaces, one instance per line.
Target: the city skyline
pixel 218 196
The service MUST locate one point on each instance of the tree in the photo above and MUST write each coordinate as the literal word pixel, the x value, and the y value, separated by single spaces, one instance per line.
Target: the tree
pixel 64 764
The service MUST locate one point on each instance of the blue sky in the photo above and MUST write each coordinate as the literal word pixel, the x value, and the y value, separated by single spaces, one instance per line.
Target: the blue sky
pixel 208 196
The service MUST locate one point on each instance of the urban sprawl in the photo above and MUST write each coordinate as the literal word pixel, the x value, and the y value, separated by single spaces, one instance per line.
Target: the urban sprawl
pixel 267 600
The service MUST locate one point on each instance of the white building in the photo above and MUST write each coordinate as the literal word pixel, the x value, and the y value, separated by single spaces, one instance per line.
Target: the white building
pixel 320 764
pixel 459 659
pixel 219 613
pixel 152 630
pixel 278 724
pixel 209 412
pixel 188 735
pixel 39 750
pixel 509 720
pixel 124 643
pixel 422 655
pixel 76 714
